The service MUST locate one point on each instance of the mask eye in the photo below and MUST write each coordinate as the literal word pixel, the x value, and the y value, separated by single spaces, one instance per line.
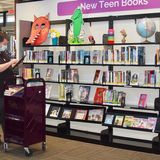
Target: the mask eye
pixel 42 25
pixel 36 27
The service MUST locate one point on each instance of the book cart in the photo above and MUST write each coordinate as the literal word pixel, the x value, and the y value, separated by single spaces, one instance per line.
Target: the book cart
pixel 106 136
pixel 24 116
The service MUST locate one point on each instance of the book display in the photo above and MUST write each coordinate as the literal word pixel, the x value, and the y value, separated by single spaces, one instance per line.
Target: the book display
pixel 104 85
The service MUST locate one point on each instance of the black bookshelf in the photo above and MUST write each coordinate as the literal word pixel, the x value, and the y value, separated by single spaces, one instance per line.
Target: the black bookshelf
pixel 106 136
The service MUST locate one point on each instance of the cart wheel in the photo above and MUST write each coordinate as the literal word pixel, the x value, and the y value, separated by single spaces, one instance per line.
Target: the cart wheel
pixel 44 146
pixel 27 151
pixel 5 146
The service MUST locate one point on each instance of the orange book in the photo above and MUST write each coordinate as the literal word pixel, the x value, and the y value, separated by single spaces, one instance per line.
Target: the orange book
pixel 98 97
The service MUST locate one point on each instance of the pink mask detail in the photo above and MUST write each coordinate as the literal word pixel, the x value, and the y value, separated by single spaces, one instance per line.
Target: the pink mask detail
pixel 40 30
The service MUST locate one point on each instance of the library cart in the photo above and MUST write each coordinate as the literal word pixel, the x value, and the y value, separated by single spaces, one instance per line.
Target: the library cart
pixel 24 116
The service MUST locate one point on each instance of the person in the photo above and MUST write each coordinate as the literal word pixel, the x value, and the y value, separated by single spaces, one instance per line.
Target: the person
pixel 5 69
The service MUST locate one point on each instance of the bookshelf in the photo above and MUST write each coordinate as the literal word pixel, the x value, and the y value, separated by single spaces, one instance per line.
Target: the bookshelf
pixel 106 136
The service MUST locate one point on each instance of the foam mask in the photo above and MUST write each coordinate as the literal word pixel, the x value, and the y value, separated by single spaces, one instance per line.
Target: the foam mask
pixel 40 30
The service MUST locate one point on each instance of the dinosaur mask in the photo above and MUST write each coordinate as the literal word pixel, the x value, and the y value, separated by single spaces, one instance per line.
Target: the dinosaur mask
pixel 40 30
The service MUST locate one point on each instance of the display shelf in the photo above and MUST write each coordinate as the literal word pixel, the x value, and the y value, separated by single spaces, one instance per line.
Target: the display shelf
pixel 105 85
pixel 64 129
pixel 99 64
pixel 98 44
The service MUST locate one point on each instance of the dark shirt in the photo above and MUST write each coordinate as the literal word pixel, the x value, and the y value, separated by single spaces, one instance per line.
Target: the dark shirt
pixel 7 75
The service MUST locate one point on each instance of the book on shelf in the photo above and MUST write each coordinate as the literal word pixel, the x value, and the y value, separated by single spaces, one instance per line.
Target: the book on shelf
pixel 37 73
pixel 97 76
pixel 95 115
pixel 109 119
pixel 158 56
pixel 13 90
pixel 27 73
pixel 134 79
pixel 151 123
pixel 128 121
pixel 47 109
pixel 67 113
pixel 86 57
pixel 50 57
pixel 48 91
pixel 98 97
pixel 118 121
pixel 62 57
pixel 96 57
pixel 141 55
pixel 49 73
pixel 61 92
pixel 84 92
pixel 73 75
pixel 140 123
pixel 80 114
pixel 73 57
pixel 68 92
pixel 53 111
pixel 128 77
pixel 142 103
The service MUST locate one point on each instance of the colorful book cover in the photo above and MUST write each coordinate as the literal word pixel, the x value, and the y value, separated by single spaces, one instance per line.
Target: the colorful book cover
pixel 142 103
pixel 54 111
pixel 74 75
pixel 134 78
pixel 49 74
pixel 96 56
pixel 67 113
pixel 81 114
pixel 151 123
pixel 118 120
pixel 97 76
pixel 109 119
pixel 128 121
pixel 98 97
pixel 95 115
pixel 84 92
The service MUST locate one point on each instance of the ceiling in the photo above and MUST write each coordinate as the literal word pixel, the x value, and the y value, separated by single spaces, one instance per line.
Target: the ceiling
pixel 5 5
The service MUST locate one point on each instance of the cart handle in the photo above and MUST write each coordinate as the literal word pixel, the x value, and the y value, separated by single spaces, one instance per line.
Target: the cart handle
pixel 34 80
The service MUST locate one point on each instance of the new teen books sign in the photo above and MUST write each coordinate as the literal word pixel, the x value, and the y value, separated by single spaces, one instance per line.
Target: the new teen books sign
pixel 99 6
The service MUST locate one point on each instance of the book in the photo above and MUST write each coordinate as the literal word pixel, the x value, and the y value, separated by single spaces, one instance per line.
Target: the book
pixel 118 120
pixel 96 56
pixel 80 114
pixel 49 73
pixel 97 77
pixel 54 111
pixel 95 115
pixel 12 90
pixel 61 92
pixel 84 92
pixel 48 91
pixel 67 113
pixel 47 109
pixel 98 97
pixel 109 119
pixel 128 121
pixel 74 76
pixel 134 78
pixel 142 103
pixel 151 123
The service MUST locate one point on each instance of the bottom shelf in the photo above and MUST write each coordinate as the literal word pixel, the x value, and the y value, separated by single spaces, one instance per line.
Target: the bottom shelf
pixel 104 138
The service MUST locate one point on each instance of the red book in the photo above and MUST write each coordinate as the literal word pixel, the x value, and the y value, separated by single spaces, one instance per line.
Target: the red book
pixel 98 97
pixel 142 101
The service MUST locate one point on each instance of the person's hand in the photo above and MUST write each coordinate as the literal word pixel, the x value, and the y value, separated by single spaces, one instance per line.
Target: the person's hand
pixel 13 62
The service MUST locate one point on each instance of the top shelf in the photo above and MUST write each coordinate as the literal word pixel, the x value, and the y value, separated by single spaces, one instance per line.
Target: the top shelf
pixel 98 44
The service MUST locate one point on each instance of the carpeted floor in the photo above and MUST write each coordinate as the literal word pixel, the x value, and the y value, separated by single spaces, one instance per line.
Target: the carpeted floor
pixel 64 149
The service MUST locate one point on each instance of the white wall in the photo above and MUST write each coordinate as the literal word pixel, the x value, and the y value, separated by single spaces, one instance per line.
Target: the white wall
pixel 26 11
